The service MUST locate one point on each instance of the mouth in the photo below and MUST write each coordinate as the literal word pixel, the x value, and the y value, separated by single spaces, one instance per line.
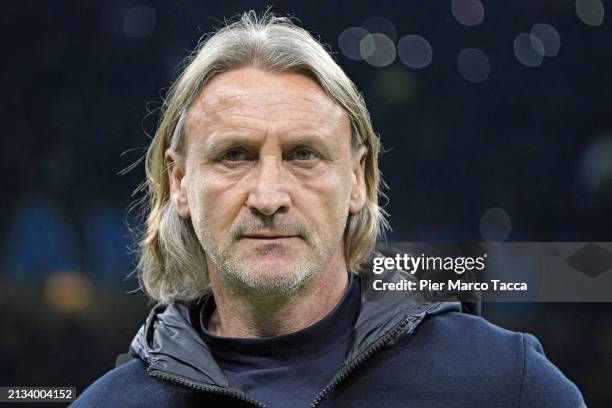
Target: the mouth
pixel 269 237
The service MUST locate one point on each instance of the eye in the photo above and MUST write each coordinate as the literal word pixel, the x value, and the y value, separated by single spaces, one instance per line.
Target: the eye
pixel 303 155
pixel 234 155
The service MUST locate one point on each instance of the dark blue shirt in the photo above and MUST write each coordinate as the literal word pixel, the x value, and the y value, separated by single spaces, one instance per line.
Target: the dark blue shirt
pixel 288 370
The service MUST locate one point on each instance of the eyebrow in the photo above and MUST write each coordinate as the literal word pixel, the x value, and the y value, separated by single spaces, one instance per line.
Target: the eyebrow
pixel 218 144
pixel 221 144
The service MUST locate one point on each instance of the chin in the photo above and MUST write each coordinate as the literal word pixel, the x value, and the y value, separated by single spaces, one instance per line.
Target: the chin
pixel 273 259
pixel 272 277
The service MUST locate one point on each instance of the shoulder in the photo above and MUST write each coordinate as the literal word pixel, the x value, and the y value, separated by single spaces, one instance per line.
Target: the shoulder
pixel 461 340
pixel 496 358
pixel 129 385
pixel 471 331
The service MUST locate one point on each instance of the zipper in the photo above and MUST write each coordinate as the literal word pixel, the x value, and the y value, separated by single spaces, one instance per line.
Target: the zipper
pixel 372 350
pixel 338 378
pixel 162 375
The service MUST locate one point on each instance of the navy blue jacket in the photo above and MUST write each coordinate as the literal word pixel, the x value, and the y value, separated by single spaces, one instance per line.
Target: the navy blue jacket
pixel 407 352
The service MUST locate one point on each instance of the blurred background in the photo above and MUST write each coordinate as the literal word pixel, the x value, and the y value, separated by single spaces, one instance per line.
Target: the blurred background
pixel 496 118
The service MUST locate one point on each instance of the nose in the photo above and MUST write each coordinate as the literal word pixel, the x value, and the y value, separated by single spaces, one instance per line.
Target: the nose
pixel 269 192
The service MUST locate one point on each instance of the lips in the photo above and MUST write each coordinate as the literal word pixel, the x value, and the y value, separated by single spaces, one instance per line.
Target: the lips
pixel 268 236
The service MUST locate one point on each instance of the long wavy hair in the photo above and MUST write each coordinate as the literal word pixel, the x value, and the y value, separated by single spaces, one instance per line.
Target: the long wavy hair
pixel 171 262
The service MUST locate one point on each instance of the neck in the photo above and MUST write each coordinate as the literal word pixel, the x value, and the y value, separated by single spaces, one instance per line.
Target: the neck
pixel 240 314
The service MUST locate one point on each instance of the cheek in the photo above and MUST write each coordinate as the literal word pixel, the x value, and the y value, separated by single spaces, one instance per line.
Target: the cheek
pixel 213 204
pixel 327 199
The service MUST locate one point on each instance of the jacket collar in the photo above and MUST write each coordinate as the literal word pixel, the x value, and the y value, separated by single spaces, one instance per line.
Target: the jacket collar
pixel 168 341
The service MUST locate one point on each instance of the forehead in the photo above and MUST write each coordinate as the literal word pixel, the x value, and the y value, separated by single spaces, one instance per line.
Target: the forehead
pixel 253 100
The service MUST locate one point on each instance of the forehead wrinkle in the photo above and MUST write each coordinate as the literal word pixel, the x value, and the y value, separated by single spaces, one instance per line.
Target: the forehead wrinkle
pixel 238 97
pixel 232 104
pixel 234 117
pixel 285 134
pixel 236 91
pixel 284 109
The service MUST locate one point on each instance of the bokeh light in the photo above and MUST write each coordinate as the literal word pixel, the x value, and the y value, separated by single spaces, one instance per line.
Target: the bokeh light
pixel 595 167
pixel 590 12
pixel 549 37
pixel 68 292
pixel 468 12
pixel 529 50
pixel 381 25
pixel 414 51
pixel 473 65
pixel 394 84
pixel 378 50
pixel 139 21
pixel 349 42
pixel 495 225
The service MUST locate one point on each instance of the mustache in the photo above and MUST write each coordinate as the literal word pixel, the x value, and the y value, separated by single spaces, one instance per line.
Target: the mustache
pixel 282 226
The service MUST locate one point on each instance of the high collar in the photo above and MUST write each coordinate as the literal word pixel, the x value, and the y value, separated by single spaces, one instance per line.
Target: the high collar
pixel 169 342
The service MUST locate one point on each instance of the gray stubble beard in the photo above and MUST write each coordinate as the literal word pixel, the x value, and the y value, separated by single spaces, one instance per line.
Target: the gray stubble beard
pixel 242 278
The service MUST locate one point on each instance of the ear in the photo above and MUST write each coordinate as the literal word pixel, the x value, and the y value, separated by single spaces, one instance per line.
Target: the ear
pixel 178 193
pixel 358 189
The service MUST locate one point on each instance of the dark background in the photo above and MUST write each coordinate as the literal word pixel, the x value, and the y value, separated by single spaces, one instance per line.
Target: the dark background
pixel 523 154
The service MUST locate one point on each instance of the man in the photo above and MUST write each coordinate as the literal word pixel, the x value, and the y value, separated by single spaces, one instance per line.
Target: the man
pixel 263 191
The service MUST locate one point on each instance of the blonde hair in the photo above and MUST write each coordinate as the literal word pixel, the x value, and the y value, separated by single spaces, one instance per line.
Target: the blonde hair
pixel 172 264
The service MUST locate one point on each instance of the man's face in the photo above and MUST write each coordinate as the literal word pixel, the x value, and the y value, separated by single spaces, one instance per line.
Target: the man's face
pixel 268 178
